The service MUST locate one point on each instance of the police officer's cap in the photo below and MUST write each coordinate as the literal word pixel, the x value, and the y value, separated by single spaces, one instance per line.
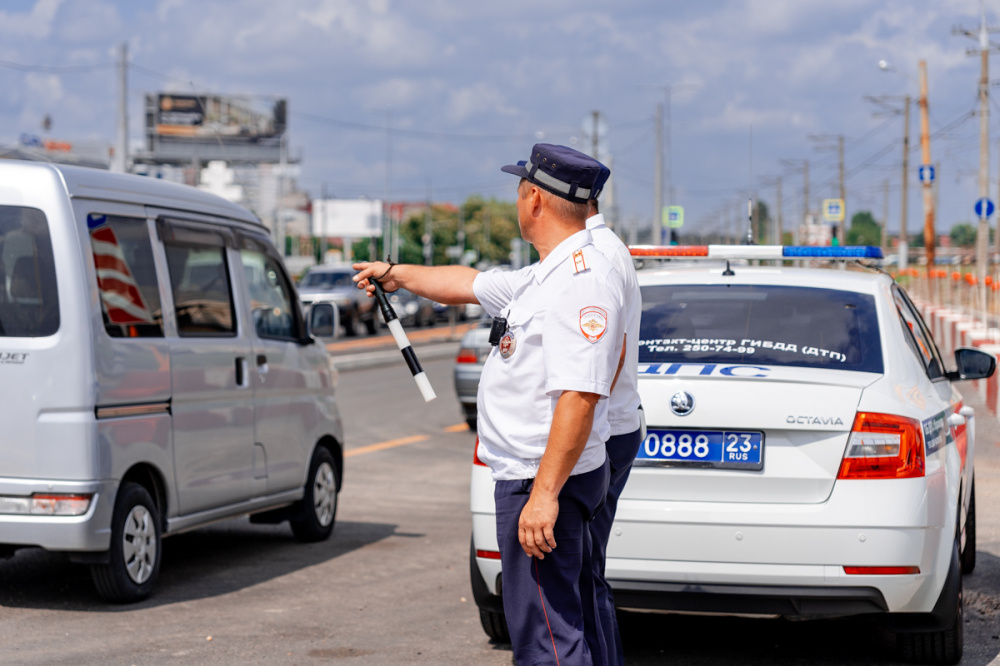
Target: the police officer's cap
pixel 565 172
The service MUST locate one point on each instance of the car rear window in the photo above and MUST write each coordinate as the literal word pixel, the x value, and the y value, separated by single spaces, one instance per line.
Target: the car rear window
pixel 29 300
pixel 760 325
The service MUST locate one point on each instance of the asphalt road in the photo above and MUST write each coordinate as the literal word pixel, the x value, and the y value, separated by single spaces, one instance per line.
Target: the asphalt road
pixel 391 585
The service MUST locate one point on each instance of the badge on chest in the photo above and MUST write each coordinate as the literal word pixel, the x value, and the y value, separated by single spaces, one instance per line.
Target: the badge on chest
pixel 507 345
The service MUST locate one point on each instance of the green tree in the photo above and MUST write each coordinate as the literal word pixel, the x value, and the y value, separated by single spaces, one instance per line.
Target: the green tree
pixel 963 234
pixel 490 225
pixel 864 230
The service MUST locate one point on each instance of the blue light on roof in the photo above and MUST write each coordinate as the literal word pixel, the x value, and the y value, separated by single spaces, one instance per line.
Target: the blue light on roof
pixel 850 251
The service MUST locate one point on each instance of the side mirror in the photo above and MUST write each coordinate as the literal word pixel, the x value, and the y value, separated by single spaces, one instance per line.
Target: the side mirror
pixel 324 321
pixel 972 364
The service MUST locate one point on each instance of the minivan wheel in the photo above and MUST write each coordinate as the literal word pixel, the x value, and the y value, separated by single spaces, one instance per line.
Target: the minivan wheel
pixel 314 515
pixel 134 556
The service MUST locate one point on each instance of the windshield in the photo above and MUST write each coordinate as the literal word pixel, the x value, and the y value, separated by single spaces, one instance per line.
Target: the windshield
pixel 29 301
pixel 328 280
pixel 759 324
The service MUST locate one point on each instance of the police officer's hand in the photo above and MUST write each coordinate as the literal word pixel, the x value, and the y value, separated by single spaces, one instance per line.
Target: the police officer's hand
pixel 535 529
pixel 376 269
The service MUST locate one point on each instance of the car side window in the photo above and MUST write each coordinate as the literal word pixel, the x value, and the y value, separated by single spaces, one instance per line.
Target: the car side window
pixel 199 279
pixel 272 300
pixel 126 276
pixel 917 336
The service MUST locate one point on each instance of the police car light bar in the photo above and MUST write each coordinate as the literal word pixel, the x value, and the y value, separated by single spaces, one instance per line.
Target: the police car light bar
pixel 757 251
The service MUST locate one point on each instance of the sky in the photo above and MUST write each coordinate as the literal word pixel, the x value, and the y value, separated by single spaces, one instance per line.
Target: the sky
pixel 422 99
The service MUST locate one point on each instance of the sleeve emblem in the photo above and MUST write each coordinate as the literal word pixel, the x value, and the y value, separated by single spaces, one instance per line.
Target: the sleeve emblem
pixel 593 322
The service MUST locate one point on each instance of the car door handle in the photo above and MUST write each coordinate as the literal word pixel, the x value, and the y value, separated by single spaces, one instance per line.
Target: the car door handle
pixel 261 364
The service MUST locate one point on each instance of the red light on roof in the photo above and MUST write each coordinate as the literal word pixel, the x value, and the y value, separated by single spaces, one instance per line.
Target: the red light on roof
pixel 669 251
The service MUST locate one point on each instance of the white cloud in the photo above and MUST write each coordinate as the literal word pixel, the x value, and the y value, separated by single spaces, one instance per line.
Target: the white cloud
pixel 37 23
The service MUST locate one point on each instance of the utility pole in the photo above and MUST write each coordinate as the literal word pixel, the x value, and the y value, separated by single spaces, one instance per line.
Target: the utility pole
pixel 658 178
pixel 802 165
pixel 120 162
pixel 983 233
pixel 884 241
pixel 904 239
pixel 825 145
pixel 594 136
pixel 428 231
pixel 925 152
pixel 842 232
pixel 778 225
pixel 888 104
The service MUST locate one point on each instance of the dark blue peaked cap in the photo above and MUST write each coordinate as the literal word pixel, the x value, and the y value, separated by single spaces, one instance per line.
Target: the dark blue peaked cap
pixel 565 172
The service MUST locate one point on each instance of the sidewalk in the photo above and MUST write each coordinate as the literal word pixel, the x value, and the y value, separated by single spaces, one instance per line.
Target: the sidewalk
pixel 367 352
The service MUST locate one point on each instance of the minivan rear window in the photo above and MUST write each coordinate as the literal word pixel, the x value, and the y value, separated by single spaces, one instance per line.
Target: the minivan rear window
pixel 29 300
pixel 760 325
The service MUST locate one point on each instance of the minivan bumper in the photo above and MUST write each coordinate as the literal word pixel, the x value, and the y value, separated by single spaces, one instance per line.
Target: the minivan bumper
pixel 88 532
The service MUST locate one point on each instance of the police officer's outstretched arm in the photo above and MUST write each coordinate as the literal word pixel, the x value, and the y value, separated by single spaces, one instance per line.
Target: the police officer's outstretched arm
pixel 450 285
pixel 572 421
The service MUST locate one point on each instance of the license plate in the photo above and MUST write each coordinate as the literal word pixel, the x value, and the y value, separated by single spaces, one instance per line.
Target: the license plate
pixel 728 449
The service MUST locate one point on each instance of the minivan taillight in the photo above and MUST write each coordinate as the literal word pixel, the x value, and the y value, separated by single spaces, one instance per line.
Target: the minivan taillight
pixel 883 446
pixel 475 455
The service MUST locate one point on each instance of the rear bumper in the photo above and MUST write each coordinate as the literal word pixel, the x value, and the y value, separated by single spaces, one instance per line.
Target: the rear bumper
pixel 89 532
pixel 790 601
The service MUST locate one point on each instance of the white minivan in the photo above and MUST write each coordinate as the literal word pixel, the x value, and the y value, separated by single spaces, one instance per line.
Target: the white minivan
pixel 156 373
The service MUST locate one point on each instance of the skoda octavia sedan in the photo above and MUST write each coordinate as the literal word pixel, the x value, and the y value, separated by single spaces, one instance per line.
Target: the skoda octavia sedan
pixel 807 455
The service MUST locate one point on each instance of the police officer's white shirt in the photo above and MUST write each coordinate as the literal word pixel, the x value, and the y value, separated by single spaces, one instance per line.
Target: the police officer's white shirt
pixel 623 407
pixel 555 312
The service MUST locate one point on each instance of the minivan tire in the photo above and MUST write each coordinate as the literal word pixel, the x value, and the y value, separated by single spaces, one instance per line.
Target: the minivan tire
pixel 134 557
pixel 314 515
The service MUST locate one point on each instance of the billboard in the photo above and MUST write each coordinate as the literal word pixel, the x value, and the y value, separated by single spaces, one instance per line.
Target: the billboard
pixel 347 218
pixel 234 128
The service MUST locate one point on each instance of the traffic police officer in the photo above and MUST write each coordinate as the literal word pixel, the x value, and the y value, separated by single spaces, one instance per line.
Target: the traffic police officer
pixel 624 416
pixel 542 403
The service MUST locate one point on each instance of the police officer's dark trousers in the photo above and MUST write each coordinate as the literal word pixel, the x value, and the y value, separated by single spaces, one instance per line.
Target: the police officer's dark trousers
pixel 622 450
pixel 551 604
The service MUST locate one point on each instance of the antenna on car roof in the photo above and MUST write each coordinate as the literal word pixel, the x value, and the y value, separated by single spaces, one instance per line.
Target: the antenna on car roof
pixel 728 271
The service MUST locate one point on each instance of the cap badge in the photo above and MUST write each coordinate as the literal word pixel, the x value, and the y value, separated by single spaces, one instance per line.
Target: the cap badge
pixel 593 322
pixel 507 345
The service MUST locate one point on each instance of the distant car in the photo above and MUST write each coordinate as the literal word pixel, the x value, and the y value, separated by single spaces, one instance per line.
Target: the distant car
pixel 443 311
pixel 469 362
pixel 807 455
pixel 412 310
pixel 334 284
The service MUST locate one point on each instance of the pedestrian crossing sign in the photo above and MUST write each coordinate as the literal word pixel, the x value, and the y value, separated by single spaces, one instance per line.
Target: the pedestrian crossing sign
pixel 833 210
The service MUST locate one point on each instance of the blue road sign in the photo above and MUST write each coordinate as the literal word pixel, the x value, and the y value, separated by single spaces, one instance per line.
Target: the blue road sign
pixel 926 173
pixel 984 207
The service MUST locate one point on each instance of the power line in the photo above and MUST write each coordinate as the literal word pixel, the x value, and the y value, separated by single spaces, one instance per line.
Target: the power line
pixel 54 69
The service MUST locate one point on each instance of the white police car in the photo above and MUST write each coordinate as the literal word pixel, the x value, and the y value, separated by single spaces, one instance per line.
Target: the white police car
pixel 807 455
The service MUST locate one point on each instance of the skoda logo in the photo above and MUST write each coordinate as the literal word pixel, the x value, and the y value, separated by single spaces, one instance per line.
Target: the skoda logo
pixel 682 403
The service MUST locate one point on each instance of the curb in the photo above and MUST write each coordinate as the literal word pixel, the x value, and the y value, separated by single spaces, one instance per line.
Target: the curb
pixel 392 356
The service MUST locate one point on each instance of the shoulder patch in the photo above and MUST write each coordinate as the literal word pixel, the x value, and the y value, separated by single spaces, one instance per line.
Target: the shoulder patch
pixel 579 262
pixel 593 322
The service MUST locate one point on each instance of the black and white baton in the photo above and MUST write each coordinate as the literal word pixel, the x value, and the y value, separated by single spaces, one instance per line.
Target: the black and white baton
pixel 392 321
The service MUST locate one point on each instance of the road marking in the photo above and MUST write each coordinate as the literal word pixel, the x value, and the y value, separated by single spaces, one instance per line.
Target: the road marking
pixel 381 446
pixel 460 427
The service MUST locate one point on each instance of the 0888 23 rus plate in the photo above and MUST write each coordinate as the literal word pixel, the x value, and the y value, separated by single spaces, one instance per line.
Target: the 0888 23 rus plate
pixel 726 449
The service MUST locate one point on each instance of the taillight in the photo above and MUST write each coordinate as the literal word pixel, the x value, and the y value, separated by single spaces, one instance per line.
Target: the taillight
pixel 475 455
pixel 466 355
pixel 883 446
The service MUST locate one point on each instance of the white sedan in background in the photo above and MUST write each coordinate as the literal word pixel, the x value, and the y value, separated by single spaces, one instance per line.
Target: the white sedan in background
pixel 807 455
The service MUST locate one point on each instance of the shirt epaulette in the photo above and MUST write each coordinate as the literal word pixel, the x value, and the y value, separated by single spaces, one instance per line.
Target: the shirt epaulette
pixel 579 261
